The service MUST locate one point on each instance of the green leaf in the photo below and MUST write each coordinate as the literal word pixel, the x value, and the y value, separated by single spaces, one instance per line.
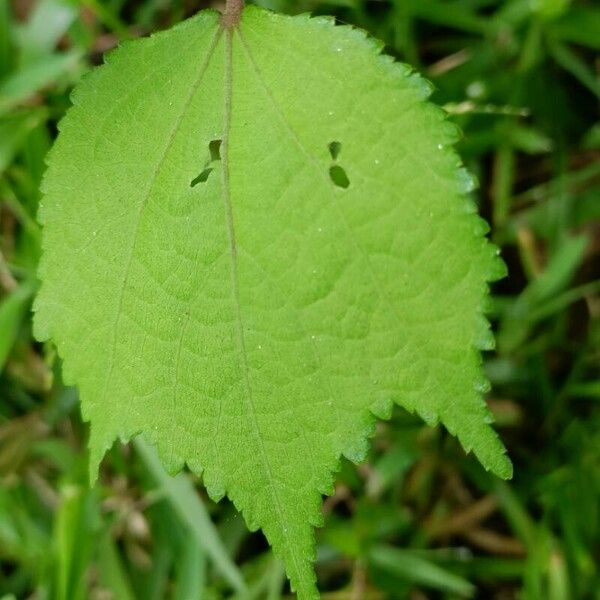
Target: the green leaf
pixel 12 309
pixel 14 129
pixel 48 23
pixel 579 25
pixel 23 83
pixel 181 495
pixel 408 566
pixel 255 240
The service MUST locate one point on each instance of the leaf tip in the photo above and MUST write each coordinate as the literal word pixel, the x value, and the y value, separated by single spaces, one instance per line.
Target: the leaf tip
pixel 504 469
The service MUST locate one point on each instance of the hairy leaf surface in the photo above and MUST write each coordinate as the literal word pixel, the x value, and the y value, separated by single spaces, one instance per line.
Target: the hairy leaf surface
pixel 255 240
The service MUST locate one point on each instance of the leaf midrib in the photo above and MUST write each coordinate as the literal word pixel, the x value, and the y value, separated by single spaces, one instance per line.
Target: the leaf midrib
pixel 229 216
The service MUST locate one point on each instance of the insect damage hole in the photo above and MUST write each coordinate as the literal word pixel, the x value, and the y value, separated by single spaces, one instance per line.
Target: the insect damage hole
pixel 334 149
pixel 337 174
pixel 214 150
pixel 202 178
pixel 339 177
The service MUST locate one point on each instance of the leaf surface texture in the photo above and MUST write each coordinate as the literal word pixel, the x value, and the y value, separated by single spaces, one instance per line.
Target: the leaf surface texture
pixel 255 240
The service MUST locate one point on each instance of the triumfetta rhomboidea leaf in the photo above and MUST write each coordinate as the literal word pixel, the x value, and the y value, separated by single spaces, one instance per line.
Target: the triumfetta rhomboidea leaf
pixel 257 239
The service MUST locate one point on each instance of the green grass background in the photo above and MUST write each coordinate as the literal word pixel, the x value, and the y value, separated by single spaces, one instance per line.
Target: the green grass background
pixel 419 519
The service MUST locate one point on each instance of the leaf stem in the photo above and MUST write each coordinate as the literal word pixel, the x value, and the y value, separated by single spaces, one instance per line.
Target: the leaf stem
pixel 233 13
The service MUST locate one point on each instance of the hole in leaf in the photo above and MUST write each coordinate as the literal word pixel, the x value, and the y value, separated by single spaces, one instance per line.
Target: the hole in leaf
pixel 339 177
pixel 202 178
pixel 334 149
pixel 215 150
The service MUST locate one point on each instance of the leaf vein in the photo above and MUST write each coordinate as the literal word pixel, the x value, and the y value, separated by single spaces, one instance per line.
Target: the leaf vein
pixel 236 295
pixel 144 201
